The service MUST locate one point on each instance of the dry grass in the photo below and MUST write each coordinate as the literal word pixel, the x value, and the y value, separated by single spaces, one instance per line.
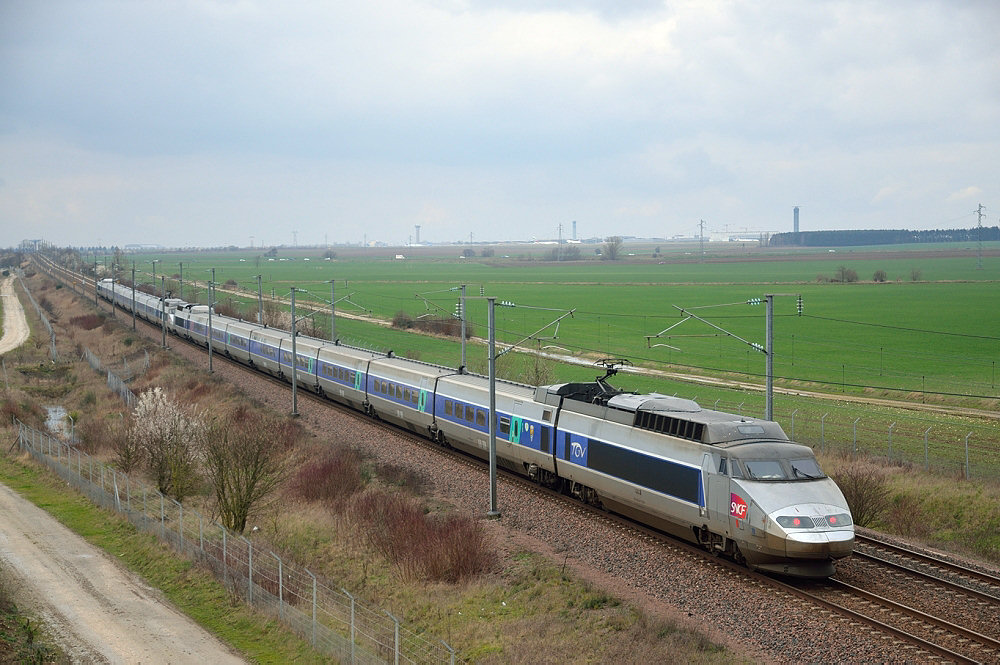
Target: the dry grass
pixel 949 513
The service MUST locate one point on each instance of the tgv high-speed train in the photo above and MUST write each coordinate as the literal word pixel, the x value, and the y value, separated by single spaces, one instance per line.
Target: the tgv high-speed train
pixel 735 485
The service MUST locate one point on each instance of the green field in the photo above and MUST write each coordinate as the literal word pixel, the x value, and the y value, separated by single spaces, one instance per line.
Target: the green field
pixel 936 336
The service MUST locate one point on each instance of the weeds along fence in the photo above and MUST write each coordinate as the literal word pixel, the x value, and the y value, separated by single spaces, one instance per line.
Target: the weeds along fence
pixel 137 367
pixel 41 315
pixel 962 450
pixel 332 620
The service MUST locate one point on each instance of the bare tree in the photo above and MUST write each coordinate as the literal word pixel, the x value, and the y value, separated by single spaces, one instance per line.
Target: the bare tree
pixel 169 440
pixel 244 464
pixel 612 248
pixel 129 453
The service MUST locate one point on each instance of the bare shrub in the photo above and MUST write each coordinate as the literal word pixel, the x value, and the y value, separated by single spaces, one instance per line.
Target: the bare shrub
pixel 242 464
pixel 28 412
pixel 226 309
pixel 331 479
pixel 879 276
pixel 441 548
pixel 907 516
pixel 400 476
pixel 865 486
pixel 87 321
pixel 128 452
pixel 845 275
pixel 916 275
pixel 402 320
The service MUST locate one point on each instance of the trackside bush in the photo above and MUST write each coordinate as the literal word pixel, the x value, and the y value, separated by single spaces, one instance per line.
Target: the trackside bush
pixel 330 479
pixel 866 489
pixel 445 548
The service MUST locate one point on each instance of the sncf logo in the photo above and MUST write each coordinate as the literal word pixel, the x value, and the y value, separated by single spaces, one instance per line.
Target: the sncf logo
pixel 737 507
pixel 577 449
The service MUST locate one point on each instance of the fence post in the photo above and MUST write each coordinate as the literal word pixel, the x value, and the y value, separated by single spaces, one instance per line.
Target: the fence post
pixel 890 441
pixel 180 522
pixel 346 593
pixel 313 640
pixel 855 453
pixel 225 563
pixel 927 466
pixel 793 423
pixel 967 455
pixel 451 653
pixel 822 432
pixel 741 408
pixel 249 569
pixel 201 535
pixel 281 589
pixel 395 639
pixel 162 534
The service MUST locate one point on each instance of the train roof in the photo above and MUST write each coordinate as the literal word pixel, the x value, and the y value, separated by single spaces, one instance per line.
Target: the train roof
pixel 673 416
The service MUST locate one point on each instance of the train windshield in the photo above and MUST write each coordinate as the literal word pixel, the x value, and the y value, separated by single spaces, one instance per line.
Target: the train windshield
pixel 805 468
pixel 772 469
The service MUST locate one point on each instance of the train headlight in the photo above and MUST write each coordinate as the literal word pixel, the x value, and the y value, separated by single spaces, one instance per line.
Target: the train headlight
pixel 840 519
pixel 795 522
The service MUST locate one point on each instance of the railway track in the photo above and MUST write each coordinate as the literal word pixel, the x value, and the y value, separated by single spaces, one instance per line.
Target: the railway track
pixel 915 631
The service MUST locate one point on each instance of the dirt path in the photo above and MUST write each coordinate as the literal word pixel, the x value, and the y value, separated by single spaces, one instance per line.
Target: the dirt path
pixel 95 610
pixel 15 326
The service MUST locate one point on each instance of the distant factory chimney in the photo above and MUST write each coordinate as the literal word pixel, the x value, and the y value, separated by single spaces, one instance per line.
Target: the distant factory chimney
pixel 795 210
pixel 417 226
pixel 574 229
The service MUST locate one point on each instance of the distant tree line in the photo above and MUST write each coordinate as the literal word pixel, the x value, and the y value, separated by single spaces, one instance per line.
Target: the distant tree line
pixel 880 237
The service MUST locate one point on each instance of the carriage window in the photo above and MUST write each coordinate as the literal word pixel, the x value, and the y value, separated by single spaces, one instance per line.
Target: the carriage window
pixel 406 394
pixel 447 407
pixel 503 426
pixel 480 417
pixel 399 391
pixel 414 397
pixel 722 466
pixel 470 413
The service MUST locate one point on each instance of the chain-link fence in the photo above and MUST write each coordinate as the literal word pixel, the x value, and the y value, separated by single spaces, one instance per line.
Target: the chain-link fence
pixel 41 315
pixel 331 619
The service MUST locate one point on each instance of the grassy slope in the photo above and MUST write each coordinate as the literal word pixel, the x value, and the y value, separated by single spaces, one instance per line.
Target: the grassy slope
pixel 193 590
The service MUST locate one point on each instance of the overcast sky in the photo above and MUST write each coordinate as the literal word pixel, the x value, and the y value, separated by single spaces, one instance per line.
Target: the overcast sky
pixel 205 123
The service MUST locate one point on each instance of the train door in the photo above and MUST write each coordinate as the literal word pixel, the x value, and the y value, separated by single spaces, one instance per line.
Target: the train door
pixel 717 495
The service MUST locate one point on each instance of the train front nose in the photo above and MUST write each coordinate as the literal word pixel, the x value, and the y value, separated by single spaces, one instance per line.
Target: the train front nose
pixel 819 545
pixel 814 531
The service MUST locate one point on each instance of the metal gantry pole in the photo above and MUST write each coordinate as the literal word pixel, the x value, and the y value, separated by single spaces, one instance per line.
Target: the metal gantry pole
pixel 210 285
pixel 493 512
pixel 333 311
pixel 260 302
pixel 163 311
pixel 295 394
pixel 462 307
pixel 769 352
pixel 133 295
pixel 181 281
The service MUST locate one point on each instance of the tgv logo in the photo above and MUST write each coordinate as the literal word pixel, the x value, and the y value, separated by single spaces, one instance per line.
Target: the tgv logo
pixel 577 449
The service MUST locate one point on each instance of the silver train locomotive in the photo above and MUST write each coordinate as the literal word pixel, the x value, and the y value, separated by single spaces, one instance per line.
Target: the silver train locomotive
pixel 734 485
